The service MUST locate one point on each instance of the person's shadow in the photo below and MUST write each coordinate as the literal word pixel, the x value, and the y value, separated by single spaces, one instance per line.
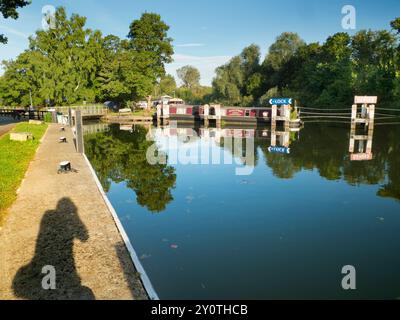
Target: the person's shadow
pixel 54 248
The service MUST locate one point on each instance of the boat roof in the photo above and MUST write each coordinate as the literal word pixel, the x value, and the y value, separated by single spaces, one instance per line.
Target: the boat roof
pixel 175 100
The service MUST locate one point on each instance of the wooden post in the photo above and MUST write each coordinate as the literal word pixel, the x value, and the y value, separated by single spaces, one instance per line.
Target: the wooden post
pixel 54 117
pixel 206 115
pixel 274 114
pixel 353 113
pixel 159 114
pixel 70 117
pixel 352 139
pixel 79 132
pixel 218 114
pixel 371 115
pixel 287 116
pixel 273 136
pixel 370 138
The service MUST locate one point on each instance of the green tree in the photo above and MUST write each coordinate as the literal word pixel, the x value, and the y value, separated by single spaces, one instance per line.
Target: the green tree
pixel 238 81
pixel 190 76
pixel 148 36
pixel 395 24
pixel 8 9
pixel 283 49
pixel 70 63
pixel 374 58
pixel 166 86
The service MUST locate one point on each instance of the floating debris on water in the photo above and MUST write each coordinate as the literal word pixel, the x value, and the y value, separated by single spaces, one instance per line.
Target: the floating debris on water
pixel 174 246
pixel 145 256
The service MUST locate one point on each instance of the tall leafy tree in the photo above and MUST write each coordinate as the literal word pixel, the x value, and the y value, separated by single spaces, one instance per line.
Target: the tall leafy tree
pixel 190 76
pixel 374 55
pixel 166 86
pixel 149 36
pixel 283 49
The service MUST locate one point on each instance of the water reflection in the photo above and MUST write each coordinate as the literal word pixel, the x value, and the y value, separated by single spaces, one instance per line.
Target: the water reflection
pixel 119 154
pixel 285 232
pixel 363 142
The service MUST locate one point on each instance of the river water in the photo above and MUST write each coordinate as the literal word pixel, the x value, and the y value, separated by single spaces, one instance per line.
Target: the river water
pixel 229 217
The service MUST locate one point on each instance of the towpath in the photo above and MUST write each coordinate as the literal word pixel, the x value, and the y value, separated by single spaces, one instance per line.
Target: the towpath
pixel 60 223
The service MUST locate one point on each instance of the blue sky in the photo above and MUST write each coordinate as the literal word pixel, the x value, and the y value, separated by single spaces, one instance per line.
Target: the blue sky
pixel 207 33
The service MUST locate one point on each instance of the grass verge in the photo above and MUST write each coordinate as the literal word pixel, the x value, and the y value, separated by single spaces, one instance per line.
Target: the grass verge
pixel 14 161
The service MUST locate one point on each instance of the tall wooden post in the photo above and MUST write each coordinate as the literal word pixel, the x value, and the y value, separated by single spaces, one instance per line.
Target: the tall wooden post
pixel 79 132
pixel 54 117
pixel 274 114
pixel 353 113
pixel 206 115
pixel 286 136
pixel 370 138
pixel 70 117
pixel 352 137
pixel 371 115
pixel 273 136
pixel 287 116
pixel 159 114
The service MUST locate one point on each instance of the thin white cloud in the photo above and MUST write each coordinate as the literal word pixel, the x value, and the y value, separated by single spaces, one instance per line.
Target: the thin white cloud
pixel 206 65
pixel 190 45
pixel 13 31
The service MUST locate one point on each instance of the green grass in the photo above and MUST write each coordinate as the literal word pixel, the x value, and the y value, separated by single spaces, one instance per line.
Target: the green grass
pixel 14 161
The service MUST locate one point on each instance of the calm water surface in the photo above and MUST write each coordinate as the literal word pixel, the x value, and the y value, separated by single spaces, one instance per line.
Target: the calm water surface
pixel 285 231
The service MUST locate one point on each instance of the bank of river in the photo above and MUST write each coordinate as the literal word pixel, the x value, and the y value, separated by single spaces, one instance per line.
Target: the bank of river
pixel 61 221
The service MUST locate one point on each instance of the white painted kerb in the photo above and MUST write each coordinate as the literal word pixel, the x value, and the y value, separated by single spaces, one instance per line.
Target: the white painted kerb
pixel 138 265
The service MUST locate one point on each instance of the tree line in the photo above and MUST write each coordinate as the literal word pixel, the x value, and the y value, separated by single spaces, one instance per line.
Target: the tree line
pixel 324 75
pixel 70 63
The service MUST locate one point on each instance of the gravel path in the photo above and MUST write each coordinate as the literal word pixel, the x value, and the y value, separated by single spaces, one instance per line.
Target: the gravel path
pixel 61 220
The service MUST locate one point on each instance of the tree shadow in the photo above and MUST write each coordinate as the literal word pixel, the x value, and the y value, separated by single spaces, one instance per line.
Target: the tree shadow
pixel 54 247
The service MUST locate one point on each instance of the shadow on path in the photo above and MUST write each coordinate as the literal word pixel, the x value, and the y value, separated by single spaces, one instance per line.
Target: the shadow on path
pixel 54 247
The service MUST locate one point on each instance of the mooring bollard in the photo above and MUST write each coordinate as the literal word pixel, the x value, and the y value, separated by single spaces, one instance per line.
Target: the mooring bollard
pixel 64 167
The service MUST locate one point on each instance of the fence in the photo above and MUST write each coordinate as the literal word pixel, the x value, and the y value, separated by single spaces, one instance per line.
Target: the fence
pixel 91 110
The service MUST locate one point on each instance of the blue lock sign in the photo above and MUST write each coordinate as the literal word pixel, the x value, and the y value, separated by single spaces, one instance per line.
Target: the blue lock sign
pixel 282 150
pixel 281 101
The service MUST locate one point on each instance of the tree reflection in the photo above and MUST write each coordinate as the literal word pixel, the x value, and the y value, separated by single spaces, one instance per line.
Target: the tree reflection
pixel 119 156
pixel 392 188
pixel 325 149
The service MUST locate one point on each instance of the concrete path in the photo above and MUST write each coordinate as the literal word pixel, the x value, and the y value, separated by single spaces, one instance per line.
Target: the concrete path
pixel 61 221
pixel 6 126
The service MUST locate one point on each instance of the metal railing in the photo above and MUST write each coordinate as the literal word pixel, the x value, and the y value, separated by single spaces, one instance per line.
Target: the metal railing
pixel 89 110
